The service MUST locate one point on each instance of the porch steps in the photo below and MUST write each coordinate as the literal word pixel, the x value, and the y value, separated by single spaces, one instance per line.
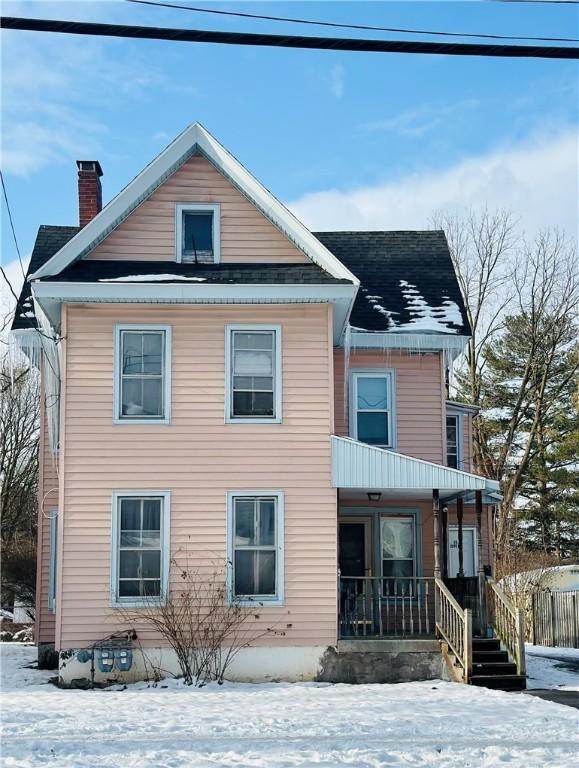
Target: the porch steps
pixel 491 667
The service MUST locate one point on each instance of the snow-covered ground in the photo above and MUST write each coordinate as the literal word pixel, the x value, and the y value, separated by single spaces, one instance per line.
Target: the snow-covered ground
pixel 552 667
pixel 418 725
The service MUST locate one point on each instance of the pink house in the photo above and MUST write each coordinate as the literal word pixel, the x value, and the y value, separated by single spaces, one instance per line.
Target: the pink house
pixel 219 380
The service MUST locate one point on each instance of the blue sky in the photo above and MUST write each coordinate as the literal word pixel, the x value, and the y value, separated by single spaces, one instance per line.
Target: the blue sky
pixel 348 140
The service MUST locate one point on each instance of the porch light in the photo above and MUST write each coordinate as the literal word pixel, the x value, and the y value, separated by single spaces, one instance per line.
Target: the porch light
pixel 374 496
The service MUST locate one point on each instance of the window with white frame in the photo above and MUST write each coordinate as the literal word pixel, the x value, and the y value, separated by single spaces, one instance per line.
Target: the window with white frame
pixel 372 404
pixel 140 558
pixel 253 371
pixel 453 452
pixel 197 233
pixel 256 546
pixel 142 373
pixel 398 547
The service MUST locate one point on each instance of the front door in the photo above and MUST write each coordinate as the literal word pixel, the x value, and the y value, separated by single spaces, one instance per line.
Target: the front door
pixel 469 551
pixel 352 549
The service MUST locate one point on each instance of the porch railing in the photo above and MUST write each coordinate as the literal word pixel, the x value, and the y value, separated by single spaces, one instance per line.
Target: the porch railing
pixel 454 626
pixel 375 606
pixel 509 624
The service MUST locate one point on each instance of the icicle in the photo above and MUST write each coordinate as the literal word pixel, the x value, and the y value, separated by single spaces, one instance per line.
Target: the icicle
pixel 347 351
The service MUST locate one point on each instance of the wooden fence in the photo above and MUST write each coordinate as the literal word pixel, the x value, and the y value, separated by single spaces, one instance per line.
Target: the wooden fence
pixel 553 619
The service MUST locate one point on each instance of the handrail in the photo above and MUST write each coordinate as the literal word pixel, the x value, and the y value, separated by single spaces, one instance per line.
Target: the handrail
pixel 454 624
pixel 509 625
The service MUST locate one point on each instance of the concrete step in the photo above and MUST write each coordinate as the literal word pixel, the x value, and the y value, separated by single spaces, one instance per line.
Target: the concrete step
pixel 499 668
pixel 491 657
pixel 485 644
pixel 501 682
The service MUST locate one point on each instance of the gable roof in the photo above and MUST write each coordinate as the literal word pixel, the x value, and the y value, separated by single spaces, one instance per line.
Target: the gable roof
pixel 49 240
pixel 193 140
pixel 407 281
pixel 272 273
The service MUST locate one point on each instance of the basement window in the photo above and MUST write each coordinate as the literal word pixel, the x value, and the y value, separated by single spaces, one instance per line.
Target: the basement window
pixel 197 233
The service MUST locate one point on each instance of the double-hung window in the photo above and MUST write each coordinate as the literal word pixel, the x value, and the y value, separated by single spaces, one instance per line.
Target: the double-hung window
pixel 140 558
pixel 398 547
pixel 255 536
pixel 371 407
pixel 453 452
pixel 253 371
pixel 142 374
pixel 197 233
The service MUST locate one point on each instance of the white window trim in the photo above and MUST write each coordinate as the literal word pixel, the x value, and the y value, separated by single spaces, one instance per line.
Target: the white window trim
pixel 459 437
pixel 52 559
pixel 215 209
pixel 378 373
pixel 131 602
pixel 278 599
pixel 277 379
pixel 117 370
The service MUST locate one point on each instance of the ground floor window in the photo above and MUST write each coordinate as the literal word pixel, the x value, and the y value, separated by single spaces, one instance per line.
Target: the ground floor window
pixel 398 547
pixel 255 534
pixel 140 547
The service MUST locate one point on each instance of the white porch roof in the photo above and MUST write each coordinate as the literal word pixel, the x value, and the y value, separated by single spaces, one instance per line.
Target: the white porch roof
pixel 356 465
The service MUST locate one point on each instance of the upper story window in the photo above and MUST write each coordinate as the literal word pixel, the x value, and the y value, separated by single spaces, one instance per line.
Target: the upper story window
pixel 253 373
pixel 197 233
pixel 453 452
pixel 140 547
pixel 372 407
pixel 142 374
pixel 255 536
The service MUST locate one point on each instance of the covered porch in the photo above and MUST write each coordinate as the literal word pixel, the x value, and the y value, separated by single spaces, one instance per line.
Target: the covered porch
pixel 405 526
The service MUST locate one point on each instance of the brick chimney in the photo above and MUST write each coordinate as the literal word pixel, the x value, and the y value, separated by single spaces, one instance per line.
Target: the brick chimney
pixel 90 196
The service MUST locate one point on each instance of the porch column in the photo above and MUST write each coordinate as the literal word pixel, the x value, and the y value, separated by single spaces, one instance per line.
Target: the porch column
pixel 459 517
pixel 481 576
pixel 444 541
pixel 478 509
pixel 436 524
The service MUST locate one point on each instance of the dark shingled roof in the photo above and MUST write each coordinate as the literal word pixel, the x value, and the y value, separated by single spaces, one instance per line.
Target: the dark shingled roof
pixel 49 240
pixel 90 271
pixel 381 260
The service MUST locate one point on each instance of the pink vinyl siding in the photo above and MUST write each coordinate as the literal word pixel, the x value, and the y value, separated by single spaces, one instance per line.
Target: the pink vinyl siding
pixel 148 233
pixel 467 443
pixel 198 458
pixel 47 502
pixel 420 403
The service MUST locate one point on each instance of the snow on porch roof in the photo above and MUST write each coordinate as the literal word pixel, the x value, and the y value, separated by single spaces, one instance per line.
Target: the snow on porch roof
pixel 357 465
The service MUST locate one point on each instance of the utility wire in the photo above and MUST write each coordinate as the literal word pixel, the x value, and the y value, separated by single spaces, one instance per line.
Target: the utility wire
pixel 333 24
pixel 12 224
pixel 289 41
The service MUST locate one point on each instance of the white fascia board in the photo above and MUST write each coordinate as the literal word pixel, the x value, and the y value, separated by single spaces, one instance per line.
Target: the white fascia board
pixel 427 342
pixel 358 465
pixel 454 407
pixel 51 295
pixel 193 138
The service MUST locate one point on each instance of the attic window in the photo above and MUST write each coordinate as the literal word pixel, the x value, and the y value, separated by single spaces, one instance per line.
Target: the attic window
pixel 197 230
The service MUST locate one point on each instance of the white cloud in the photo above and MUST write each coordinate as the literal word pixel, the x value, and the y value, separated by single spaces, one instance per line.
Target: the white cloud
pixel 537 180
pixel 337 81
pixel 417 122
pixel 15 278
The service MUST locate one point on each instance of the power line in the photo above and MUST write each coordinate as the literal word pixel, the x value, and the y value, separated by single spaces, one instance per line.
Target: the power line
pixel 12 224
pixel 289 41
pixel 337 25
pixel 540 2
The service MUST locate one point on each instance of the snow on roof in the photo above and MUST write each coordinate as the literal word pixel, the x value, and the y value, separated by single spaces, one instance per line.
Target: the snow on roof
pixel 150 279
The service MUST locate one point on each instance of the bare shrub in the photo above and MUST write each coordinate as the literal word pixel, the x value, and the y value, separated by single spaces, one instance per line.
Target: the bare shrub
pixel 204 626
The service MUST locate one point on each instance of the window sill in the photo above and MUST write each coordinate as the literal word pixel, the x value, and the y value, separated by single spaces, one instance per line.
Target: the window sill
pixel 259 603
pixel 134 603
pixel 251 420
pixel 154 422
